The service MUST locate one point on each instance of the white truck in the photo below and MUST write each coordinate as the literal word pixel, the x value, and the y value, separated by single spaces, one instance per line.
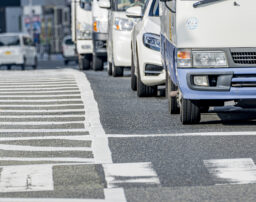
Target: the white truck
pixel 82 31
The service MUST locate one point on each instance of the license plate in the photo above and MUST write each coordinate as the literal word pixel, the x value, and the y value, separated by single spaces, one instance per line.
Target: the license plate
pixel 8 53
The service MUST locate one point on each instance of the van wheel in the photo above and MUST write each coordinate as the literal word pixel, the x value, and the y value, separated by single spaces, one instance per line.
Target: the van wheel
pixel 66 62
pixel 109 68
pixel 172 101
pixel 97 63
pixel 190 112
pixel 23 65
pixel 84 63
pixel 133 76
pixel 9 67
pixel 117 71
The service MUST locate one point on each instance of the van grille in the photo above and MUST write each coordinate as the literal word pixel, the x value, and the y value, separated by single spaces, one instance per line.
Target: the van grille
pixel 244 57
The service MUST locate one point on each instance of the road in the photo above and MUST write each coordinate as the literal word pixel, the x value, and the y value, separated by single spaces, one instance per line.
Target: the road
pixel 67 135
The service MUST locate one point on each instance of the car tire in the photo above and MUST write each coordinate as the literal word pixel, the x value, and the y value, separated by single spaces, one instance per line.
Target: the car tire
pixel 190 112
pixel 142 89
pixel 97 63
pixel 172 101
pixel 109 68
pixel 9 67
pixel 35 63
pixel 66 62
pixel 117 71
pixel 23 66
pixel 84 63
pixel 133 76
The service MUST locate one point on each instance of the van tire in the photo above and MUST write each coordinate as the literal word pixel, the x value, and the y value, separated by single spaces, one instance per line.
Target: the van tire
pixel 172 101
pixel 97 63
pixel 190 112
pixel 109 68
pixel 9 67
pixel 84 63
pixel 66 62
pixel 117 71
pixel 23 66
pixel 133 76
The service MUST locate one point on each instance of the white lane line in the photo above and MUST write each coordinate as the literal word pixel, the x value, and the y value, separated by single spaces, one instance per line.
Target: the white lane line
pixel 44 100
pixel 38 83
pixel 28 123
pixel 138 173
pixel 38 92
pixel 232 171
pixel 101 150
pixel 26 178
pixel 37 89
pixel 35 105
pixel 40 116
pixel 70 96
pixel 198 134
pixel 43 110
pixel 70 137
pixel 9 147
pixel 39 159
pixel 42 130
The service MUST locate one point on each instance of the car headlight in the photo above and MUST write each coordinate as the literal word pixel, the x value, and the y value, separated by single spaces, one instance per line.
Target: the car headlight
pixel 84 31
pixel 152 41
pixel 209 59
pixel 123 24
pixel 188 58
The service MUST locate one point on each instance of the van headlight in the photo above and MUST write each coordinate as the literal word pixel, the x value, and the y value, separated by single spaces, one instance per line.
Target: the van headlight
pixel 209 59
pixel 188 58
pixel 152 41
pixel 123 24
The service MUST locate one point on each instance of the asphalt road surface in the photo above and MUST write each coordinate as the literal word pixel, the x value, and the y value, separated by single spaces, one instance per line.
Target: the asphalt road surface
pixel 67 135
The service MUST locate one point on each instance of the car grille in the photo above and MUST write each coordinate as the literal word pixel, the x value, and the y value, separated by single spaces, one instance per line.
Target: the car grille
pixel 244 57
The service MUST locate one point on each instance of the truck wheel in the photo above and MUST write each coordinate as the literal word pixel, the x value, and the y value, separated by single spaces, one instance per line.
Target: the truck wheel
pixel 117 71
pixel 84 63
pixel 133 76
pixel 97 63
pixel 172 101
pixel 190 112
pixel 109 68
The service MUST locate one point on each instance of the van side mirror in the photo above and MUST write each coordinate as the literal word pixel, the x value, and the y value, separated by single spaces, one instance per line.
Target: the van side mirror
pixel 134 12
pixel 104 4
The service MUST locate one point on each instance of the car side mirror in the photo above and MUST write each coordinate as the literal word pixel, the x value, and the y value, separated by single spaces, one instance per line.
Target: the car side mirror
pixel 134 12
pixel 104 4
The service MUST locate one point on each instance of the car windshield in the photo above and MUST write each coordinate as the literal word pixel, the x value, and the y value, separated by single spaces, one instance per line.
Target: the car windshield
pixel 9 41
pixel 122 5
pixel 69 42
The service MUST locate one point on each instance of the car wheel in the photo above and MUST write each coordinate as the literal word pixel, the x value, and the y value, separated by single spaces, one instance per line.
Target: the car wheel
pixel 23 66
pixel 190 112
pixel 117 71
pixel 109 68
pixel 97 63
pixel 84 63
pixel 9 67
pixel 172 101
pixel 133 76
pixel 142 89
pixel 66 62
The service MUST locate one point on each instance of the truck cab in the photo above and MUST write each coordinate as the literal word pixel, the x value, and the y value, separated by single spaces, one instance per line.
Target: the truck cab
pixel 82 31
pixel 208 49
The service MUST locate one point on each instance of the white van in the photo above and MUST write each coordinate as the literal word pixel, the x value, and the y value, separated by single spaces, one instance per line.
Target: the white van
pixel 119 41
pixel 17 49
pixel 209 50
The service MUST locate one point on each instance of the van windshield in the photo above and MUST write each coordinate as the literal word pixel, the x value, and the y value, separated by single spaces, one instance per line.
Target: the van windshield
pixel 9 41
pixel 122 5
pixel 69 42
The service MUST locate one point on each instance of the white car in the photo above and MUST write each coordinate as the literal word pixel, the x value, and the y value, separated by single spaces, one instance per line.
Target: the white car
pixel 17 49
pixel 69 50
pixel 119 42
pixel 147 72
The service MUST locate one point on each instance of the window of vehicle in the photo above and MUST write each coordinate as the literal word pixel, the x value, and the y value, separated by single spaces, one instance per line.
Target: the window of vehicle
pixel 86 4
pixel 122 5
pixel 69 42
pixel 27 41
pixel 154 11
pixel 145 7
pixel 9 41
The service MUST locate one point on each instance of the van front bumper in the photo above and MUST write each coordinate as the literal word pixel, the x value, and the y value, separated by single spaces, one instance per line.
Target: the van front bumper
pixel 231 83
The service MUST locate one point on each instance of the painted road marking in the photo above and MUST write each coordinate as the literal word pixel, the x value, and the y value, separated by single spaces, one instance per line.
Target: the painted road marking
pixel 71 137
pixel 232 171
pixel 53 159
pixel 26 178
pixel 127 173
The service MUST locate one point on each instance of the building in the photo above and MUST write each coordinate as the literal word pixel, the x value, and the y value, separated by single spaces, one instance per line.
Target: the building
pixel 48 21
pixel 10 16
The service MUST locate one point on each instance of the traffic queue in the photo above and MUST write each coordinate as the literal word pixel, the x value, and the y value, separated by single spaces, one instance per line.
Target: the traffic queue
pixel 203 51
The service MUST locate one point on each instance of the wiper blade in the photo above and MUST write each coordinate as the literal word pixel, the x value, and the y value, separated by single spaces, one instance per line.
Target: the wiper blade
pixel 202 2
